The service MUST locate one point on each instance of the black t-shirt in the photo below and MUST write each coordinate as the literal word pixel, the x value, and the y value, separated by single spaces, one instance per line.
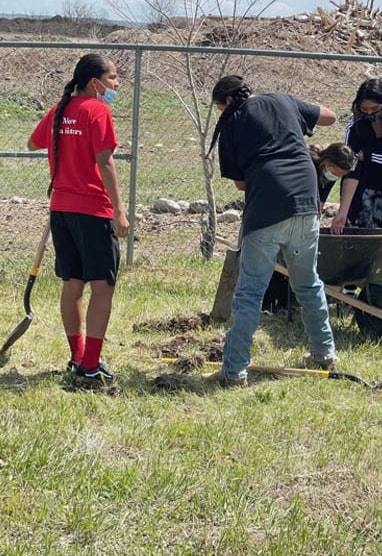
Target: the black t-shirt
pixel 263 144
pixel 366 207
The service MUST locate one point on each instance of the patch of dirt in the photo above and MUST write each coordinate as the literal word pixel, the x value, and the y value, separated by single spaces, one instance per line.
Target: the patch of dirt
pixel 175 324
pixel 186 351
pixel 22 223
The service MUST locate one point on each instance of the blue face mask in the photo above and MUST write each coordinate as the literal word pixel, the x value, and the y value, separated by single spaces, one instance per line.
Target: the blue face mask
pixel 108 96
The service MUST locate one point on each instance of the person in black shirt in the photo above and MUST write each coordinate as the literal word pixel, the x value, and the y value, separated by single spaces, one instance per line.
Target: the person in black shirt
pixel 262 148
pixel 361 191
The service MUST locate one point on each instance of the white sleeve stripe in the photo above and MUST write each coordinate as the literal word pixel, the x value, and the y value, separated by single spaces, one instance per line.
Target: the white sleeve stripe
pixel 377 158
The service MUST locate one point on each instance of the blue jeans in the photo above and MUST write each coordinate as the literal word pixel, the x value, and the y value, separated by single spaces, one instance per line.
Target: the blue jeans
pixel 297 239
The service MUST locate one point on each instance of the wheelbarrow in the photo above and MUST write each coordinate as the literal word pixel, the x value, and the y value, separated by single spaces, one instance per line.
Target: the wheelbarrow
pixel 352 258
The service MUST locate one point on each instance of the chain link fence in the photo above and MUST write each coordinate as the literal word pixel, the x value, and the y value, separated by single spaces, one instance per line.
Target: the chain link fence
pixel 164 120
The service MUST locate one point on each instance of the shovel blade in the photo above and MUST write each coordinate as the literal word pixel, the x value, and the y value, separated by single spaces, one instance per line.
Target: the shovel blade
pixel 20 329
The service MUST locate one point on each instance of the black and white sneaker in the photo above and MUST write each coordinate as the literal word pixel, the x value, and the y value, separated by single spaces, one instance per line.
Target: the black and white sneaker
pixel 72 366
pixel 101 373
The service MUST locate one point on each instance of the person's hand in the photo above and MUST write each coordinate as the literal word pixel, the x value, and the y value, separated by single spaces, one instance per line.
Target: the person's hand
pixel 121 224
pixel 338 224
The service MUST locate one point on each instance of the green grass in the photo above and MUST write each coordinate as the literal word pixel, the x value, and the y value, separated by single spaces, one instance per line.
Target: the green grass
pixel 285 467
pixel 166 135
pixel 169 153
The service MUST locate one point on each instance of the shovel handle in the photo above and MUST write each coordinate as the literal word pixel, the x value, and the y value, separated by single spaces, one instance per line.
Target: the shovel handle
pixel 36 268
pixel 265 369
pixel 296 371
pixel 40 251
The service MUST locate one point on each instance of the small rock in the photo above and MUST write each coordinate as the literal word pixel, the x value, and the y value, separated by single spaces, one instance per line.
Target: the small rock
pixel 198 207
pixel 231 215
pixel 184 205
pixel 166 205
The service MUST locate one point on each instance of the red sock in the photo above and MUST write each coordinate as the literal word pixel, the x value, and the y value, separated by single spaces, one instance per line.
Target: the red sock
pixel 77 347
pixel 93 347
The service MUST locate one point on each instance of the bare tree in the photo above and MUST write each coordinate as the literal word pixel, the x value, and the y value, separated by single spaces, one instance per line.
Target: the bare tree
pixel 229 30
pixel 153 15
pixel 79 11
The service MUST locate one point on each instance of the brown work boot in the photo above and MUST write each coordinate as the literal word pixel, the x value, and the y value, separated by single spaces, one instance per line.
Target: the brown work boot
pixel 223 381
pixel 320 362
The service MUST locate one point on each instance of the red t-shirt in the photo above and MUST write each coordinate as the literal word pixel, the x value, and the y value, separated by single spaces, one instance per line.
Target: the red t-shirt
pixel 86 130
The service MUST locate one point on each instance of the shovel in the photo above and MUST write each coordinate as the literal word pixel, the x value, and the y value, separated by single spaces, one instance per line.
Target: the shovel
pixel 23 326
pixel 294 372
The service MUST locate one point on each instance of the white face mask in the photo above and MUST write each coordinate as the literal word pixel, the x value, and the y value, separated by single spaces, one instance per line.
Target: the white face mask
pixel 329 176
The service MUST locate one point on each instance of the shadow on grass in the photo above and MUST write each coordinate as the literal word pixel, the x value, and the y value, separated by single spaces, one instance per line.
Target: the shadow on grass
pixel 13 380
pixel 161 381
pixel 4 358
pixel 175 380
pixel 128 380
pixel 132 379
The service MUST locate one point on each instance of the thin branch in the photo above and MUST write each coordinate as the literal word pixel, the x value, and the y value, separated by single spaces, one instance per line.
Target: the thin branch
pixel 178 96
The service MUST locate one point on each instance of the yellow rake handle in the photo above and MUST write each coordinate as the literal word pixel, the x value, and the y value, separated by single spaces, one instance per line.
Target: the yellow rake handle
pixel 264 369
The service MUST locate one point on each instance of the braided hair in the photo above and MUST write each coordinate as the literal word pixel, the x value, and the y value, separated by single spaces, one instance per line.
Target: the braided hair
pixel 89 66
pixel 232 86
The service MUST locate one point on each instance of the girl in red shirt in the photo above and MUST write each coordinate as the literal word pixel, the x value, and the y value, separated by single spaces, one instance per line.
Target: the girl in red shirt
pixel 87 214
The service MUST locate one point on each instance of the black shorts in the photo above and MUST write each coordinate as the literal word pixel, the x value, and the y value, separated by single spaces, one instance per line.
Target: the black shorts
pixel 86 248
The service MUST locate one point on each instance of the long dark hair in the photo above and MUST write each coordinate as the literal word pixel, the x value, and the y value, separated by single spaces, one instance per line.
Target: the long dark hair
pixel 339 154
pixel 87 67
pixel 232 86
pixel 371 89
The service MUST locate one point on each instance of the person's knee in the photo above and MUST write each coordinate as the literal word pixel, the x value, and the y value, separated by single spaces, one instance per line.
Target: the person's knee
pixel 101 287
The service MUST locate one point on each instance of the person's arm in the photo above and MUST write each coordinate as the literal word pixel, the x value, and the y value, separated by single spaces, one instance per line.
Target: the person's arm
pixel 108 172
pixel 326 117
pixel 312 115
pixel 31 146
pixel 349 186
pixel 42 133
pixel 240 185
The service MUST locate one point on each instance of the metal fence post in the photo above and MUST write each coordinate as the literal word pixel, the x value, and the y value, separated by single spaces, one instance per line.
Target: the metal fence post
pixel 134 154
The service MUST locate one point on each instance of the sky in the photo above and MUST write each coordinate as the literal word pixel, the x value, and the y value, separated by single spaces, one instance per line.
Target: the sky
pixel 53 7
